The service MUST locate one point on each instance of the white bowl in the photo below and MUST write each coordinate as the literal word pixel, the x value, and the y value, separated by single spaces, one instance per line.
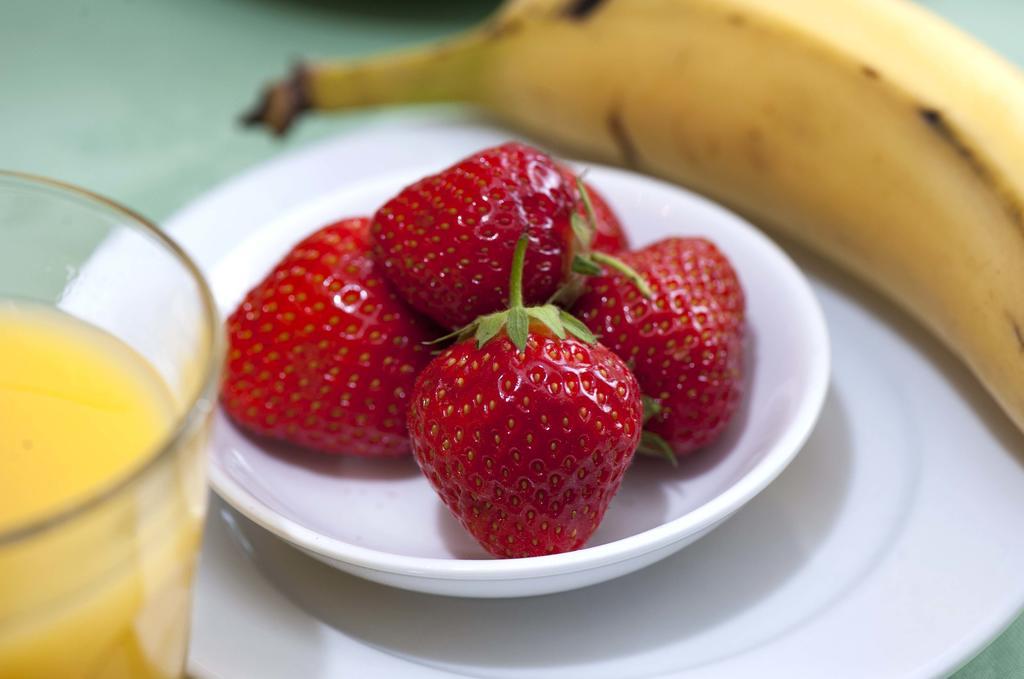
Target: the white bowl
pixel 380 519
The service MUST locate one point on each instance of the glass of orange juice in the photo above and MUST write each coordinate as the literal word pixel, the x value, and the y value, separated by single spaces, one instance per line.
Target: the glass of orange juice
pixel 109 353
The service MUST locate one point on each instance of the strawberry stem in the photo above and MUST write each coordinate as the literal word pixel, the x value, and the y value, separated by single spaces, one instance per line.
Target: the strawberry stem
pixel 584 227
pixel 588 206
pixel 516 319
pixel 626 270
pixel 515 283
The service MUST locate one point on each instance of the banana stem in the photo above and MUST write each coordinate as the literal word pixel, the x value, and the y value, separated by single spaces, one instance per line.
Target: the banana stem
pixel 446 71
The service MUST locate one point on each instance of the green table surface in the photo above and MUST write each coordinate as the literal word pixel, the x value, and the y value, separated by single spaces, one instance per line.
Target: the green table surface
pixel 138 99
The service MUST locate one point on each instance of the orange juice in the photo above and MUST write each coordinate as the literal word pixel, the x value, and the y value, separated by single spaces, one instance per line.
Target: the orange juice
pixel 78 409
pixel 106 594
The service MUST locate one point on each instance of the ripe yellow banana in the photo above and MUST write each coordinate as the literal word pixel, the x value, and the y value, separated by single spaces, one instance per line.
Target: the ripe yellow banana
pixel 869 130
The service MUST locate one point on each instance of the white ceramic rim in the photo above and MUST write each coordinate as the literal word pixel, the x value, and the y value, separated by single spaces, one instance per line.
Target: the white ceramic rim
pixel 634 546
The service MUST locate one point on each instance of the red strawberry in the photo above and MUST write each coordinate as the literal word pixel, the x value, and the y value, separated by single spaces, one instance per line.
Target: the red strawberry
pixel 322 354
pixel 446 241
pixel 526 436
pixel 685 343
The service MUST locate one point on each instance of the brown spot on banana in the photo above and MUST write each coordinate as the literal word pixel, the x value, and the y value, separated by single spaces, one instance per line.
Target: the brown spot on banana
pixel 737 19
pixel 870 72
pixel 581 9
pixel 755 151
pixel 938 123
pixel 1017 332
pixel 616 125
pixel 502 29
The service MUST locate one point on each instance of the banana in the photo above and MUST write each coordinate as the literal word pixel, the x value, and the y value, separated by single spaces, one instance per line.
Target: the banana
pixel 869 130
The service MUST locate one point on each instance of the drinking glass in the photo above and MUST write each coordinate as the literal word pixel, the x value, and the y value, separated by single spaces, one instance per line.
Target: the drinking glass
pixel 102 589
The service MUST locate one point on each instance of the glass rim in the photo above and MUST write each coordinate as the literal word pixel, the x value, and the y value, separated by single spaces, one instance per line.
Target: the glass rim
pixel 198 404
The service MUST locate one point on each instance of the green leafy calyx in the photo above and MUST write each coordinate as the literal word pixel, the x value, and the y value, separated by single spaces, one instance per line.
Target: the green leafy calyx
pixel 655 446
pixel 586 262
pixel 516 320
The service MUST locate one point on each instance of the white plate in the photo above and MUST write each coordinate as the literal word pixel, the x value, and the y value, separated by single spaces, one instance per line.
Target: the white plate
pixel 382 521
pixel 891 547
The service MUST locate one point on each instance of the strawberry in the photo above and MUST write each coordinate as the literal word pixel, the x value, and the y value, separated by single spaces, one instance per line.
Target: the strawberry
pixel 684 343
pixel 322 354
pixel 525 431
pixel 446 241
